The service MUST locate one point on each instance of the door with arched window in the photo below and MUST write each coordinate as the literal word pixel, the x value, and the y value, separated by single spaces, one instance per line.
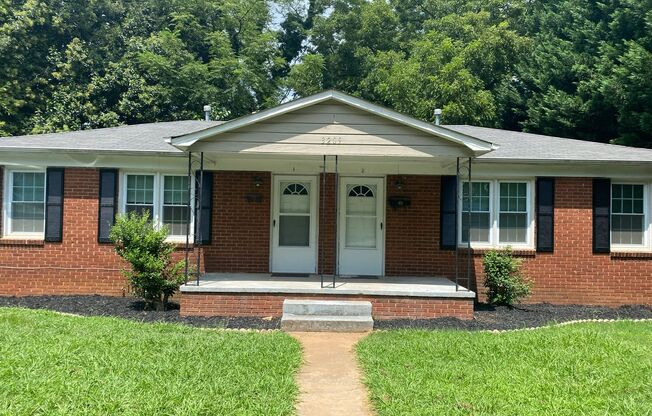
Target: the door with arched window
pixel 294 225
pixel 361 228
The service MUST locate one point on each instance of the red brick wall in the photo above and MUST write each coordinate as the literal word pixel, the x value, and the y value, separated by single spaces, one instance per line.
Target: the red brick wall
pixel 240 236
pixel 255 304
pixel 78 264
pixel 326 213
pixel 572 274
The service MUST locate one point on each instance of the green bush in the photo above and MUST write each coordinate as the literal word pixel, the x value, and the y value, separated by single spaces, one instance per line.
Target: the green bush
pixel 153 275
pixel 503 278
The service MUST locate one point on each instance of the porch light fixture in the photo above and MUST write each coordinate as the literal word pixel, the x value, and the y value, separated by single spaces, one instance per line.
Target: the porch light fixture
pixel 399 183
pixel 258 181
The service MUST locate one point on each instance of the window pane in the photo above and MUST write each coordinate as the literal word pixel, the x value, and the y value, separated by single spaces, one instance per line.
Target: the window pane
pixel 176 219
pixel 175 190
pixel 27 217
pixel 140 209
pixel 361 232
pixel 627 229
pixel 295 198
pixel 512 228
pixel 627 219
pixel 294 230
pixel 175 204
pixel 479 227
pixel 361 200
pixel 512 218
pixel 142 189
pixel 28 202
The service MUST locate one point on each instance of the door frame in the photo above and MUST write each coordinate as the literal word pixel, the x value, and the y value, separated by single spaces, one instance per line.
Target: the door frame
pixel 341 213
pixel 314 217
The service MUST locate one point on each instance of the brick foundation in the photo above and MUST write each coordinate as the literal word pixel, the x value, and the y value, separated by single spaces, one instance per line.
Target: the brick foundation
pixel 256 304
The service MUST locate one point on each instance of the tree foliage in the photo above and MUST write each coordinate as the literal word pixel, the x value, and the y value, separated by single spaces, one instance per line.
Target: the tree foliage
pixel 574 68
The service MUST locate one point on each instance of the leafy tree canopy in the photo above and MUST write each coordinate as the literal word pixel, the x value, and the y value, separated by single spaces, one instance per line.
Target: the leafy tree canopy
pixel 573 68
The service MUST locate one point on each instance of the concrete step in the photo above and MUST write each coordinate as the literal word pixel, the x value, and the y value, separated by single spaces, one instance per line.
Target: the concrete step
pixel 321 323
pixel 326 307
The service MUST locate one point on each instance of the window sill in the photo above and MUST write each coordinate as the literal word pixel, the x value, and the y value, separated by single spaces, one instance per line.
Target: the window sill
pixel 518 252
pixel 631 254
pixel 22 241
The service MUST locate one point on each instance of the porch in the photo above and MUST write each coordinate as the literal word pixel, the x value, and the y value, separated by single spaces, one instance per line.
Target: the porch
pixel 262 294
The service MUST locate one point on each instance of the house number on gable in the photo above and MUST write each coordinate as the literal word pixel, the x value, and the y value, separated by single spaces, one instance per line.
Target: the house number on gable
pixel 331 140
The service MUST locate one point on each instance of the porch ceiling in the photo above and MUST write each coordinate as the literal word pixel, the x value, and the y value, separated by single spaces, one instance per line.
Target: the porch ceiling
pixel 431 287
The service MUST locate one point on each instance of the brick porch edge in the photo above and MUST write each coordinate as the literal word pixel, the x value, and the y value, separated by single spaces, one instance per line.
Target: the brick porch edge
pixel 263 305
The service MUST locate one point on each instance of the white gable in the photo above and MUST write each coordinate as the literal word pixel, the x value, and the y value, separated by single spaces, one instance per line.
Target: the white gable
pixel 331 125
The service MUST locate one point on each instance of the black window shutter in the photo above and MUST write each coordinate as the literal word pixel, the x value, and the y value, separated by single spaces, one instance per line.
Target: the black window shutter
pixel 108 203
pixel 601 215
pixel 448 212
pixel 204 210
pixel 545 197
pixel 54 205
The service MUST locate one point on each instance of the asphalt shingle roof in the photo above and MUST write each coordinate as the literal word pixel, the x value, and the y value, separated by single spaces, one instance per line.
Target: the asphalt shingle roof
pixel 536 147
pixel 151 138
pixel 137 138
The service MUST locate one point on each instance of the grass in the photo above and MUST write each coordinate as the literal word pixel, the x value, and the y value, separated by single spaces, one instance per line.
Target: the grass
pixel 583 369
pixel 52 364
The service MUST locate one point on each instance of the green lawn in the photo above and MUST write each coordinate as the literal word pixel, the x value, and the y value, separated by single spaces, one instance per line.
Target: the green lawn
pixel 51 364
pixel 583 369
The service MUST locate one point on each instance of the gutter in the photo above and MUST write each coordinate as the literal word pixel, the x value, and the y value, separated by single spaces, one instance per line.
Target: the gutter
pixel 562 161
pixel 123 152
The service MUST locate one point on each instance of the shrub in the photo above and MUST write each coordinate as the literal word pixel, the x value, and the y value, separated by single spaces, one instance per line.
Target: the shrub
pixel 503 278
pixel 153 275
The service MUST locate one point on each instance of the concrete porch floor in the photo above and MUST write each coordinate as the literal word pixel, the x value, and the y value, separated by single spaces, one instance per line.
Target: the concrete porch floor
pixel 404 286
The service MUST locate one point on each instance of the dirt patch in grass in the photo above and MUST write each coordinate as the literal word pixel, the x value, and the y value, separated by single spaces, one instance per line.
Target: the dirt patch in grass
pixel 486 317
pixel 131 308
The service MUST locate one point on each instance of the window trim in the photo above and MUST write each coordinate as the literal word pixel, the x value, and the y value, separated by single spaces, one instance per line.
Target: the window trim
pixel 7 202
pixel 157 214
pixel 647 223
pixel 494 215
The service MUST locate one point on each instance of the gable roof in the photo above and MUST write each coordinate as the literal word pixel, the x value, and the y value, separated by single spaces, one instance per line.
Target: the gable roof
pixel 146 138
pixel 478 146
pixel 527 147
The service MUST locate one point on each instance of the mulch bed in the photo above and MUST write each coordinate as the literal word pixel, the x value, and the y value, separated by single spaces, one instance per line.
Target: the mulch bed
pixel 486 317
pixel 522 316
pixel 130 308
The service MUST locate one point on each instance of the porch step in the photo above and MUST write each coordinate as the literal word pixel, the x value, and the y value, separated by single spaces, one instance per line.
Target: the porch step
pixel 326 307
pixel 326 316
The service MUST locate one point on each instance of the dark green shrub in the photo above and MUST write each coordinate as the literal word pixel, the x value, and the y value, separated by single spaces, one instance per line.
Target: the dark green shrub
pixel 505 283
pixel 153 275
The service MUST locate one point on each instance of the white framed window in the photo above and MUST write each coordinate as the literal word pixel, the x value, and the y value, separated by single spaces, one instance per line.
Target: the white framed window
pixel 24 204
pixel 175 204
pixel 164 195
pixel 630 219
pixel 501 213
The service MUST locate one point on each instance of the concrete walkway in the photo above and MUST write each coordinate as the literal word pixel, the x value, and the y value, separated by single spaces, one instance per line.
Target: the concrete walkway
pixel 330 382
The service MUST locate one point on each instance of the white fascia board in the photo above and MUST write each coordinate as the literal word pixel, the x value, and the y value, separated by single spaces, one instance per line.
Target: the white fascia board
pixel 476 145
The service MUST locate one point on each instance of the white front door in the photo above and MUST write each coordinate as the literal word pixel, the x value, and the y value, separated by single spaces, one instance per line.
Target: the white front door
pixel 361 226
pixel 294 224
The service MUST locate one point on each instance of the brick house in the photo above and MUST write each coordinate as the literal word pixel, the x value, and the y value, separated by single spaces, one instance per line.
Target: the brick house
pixel 330 197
